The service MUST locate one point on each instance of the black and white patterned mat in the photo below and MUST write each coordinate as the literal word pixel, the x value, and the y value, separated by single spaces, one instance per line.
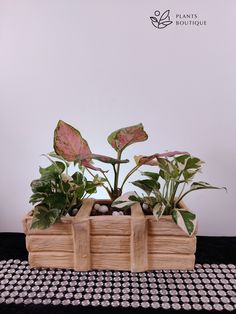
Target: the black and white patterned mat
pixel 207 287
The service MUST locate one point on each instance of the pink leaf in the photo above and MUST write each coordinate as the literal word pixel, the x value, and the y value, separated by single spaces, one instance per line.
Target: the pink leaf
pixel 124 137
pixel 87 164
pixel 69 143
pixel 152 159
pixel 108 159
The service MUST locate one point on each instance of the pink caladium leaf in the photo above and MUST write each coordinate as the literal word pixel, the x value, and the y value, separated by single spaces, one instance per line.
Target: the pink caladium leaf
pixel 87 164
pixel 109 160
pixel 152 160
pixel 124 137
pixel 69 143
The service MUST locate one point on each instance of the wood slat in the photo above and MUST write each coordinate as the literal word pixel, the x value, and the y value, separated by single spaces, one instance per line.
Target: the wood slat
pixel 164 226
pixel 136 211
pixel 171 261
pixel 51 259
pixel 171 244
pixel 138 240
pixel 85 209
pixel 114 261
pixel 112 244
pixel 81 239
pixel 110 225
pixel 38 243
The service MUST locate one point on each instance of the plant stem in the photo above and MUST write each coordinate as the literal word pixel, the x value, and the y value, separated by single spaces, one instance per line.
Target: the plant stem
pixel 117 172
pixel 107 180
pixel 129 174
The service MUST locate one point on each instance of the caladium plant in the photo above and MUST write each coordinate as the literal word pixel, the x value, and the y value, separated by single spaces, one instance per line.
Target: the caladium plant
pixel 69 144
pixel 166 187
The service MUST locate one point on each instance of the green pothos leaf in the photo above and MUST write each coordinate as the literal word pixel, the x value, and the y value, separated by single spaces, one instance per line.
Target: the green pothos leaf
pixel 44 217
pixel 147 185
pixel 151 175
pixel 158 210
pixel 185 219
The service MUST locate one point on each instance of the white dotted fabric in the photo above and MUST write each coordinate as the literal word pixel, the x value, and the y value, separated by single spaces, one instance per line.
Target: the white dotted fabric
pixel 207 287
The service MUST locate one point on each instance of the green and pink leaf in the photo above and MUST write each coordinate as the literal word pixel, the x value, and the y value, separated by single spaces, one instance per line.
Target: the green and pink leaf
pixel 124 137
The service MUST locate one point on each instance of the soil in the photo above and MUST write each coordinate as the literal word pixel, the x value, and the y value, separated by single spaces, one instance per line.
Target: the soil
pixel 95 212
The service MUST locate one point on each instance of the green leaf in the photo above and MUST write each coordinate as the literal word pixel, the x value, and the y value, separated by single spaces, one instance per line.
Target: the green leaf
pixel 152 175
pixel 78 178
pixel 90 187
pixel 192 166
pixel 200 186
pixel 41 186
pixel 52 172
pixel 79 192
pixel 168 168
pixel 158 210
pixel 54 155
pixel 56 200
pixel 125 200
pixel 37 198
pixel 43 217
pixel 185 219
pixel 147 185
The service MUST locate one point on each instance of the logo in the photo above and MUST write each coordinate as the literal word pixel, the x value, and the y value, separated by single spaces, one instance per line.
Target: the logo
pixel 161 21
pixel 179 19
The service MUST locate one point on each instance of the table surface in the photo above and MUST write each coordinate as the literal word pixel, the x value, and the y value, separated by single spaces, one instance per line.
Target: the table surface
pixel 214 255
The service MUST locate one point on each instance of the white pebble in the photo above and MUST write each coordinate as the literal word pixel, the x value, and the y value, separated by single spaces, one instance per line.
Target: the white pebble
pixel 145 206
pixel 96 206
pixel 74 211
pixel 103 209
pixel 121 213
pixel 115 213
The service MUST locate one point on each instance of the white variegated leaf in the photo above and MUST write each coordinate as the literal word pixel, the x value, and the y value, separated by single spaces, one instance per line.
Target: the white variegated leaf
pixel 124 201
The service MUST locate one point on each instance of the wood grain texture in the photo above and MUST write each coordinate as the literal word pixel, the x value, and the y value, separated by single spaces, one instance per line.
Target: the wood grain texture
pixel 138 240
pixel 171 261
pixel 85 209
pixel 171 244
pixel 164 226
pixel 51 259
pixel 114 261
pixel 57 228
pixel 81 238
pixel 110 225
pixel 40 243
pixel 112 244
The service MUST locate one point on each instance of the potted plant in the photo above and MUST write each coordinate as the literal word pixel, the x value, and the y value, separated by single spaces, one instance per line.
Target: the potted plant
pixel 100 236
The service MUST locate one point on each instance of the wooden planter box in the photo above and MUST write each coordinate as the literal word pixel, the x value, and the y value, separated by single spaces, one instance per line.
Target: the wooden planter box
pixel 136 243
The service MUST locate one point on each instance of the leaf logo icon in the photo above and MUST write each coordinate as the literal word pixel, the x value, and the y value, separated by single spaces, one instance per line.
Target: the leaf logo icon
pixel 161 21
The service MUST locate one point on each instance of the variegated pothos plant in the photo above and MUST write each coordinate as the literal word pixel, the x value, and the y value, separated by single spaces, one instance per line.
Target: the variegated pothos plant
pixel 165 188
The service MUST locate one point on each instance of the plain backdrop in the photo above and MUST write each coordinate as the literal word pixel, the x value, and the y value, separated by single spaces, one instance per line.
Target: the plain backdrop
pixel 102 65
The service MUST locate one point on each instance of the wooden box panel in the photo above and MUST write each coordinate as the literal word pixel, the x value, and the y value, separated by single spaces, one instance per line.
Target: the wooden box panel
pixel 171 244
pixel 110 225
pixel 41 243
pixel 51 259
pixel 110 244
pixel 116 261
pixel 171 261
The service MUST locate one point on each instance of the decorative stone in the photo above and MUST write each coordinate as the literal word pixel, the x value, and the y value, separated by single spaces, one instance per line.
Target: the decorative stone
pixel 103 209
